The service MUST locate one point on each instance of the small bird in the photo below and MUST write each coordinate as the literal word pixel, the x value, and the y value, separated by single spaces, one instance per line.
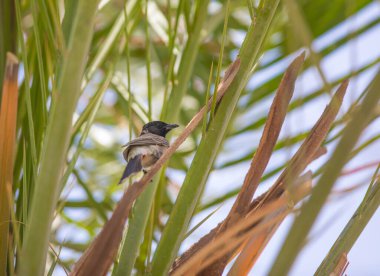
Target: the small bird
pixel 141 153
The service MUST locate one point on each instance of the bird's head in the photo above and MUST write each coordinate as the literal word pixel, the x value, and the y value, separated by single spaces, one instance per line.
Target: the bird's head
pixel 158 128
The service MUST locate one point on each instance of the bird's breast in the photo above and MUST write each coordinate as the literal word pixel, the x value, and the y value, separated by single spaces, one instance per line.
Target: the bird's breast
pixel 145 151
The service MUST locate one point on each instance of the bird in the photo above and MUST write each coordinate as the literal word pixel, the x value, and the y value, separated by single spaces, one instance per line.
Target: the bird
pixel 143 152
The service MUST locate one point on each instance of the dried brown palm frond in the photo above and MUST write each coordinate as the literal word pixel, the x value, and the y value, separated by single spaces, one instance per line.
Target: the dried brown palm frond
pixel 342 265
pixel 309 150
pixel 252 224
pixel 8 121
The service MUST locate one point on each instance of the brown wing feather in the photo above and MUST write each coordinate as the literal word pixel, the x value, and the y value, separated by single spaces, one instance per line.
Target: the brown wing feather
pixel 148 139
pixel 145 140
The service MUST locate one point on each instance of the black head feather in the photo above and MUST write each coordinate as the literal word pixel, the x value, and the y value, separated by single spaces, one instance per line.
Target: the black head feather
pixel 158 128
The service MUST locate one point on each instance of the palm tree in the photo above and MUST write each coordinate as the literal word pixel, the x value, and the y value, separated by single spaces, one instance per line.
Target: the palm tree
pixel 246 80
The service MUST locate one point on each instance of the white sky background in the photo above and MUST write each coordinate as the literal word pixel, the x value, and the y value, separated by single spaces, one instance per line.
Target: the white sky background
pixel 364 258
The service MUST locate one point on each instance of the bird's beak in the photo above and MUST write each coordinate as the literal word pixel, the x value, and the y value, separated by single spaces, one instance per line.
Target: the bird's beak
pixel 171 126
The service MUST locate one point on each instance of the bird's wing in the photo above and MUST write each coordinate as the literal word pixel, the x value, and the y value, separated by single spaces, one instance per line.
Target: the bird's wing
pixel 148 139
pixel 145 140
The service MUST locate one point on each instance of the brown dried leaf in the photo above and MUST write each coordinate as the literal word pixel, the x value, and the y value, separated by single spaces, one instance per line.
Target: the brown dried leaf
pixel 341 266
pixel 261 158
pixel 309 148
pixel 8 121
pixel 99 256
pixel 270 135
pixel 250 252
pixel 256 244
pixel 209 237
pixel 234 236
pixel 223 244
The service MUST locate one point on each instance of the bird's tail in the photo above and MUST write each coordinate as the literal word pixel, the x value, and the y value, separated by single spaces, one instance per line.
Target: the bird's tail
pixel 133 166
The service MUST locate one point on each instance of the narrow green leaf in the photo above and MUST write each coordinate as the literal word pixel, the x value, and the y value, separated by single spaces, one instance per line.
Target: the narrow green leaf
pixel 220 61
pixel 68 19
pixel 204 124
pixel 351 231
pixel 128 61
pixel 91 117
pixel 172 38
pixel 40 59
pixel 109 42
pixel 251 9
pixel 55 262
pixel 28 101
pixel 200 223
pixel 8 35
pixel 302 32
pixel 136 228
pixel 187 63
pixel 148 62
pixel 127 95
pixel 99 207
